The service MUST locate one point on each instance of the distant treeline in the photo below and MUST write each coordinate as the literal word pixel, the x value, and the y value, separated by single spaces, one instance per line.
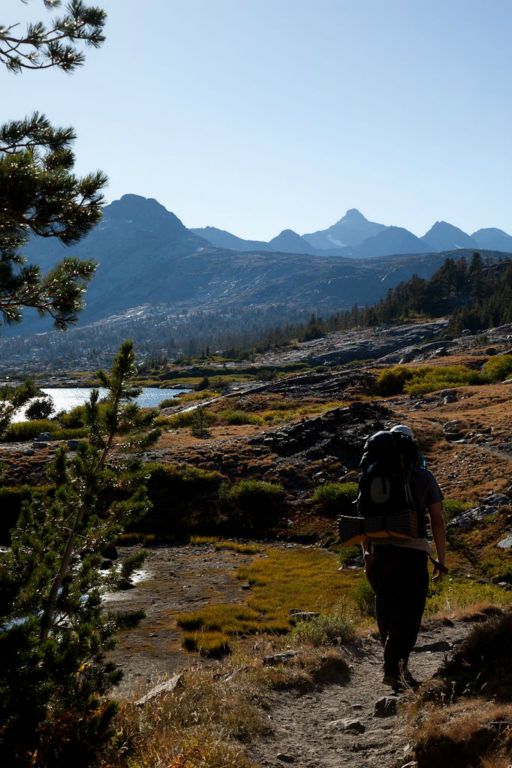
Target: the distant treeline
pixel 474 295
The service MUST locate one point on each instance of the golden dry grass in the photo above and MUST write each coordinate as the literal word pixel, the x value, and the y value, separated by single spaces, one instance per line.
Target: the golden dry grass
pixel 281 581
pixel 203 723
pixel 464 597
pixel 469 733
pixel 214 712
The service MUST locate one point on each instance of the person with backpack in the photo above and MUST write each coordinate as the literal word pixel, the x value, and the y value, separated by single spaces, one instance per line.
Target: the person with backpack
pixel 397 494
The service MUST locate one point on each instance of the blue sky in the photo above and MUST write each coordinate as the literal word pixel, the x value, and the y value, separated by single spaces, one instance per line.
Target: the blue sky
pixel 258 115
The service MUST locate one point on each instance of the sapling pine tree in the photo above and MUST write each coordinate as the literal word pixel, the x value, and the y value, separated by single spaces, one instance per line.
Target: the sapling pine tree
pixel 41 408
pixel 54 633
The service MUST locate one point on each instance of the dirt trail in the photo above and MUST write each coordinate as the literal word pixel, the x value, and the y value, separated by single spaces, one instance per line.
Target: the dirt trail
pixel 333 727
pixel 337 727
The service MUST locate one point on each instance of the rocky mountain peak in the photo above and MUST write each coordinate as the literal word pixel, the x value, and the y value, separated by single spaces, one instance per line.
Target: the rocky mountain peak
pixel 145 210
pixel 353 215
pixel 445 236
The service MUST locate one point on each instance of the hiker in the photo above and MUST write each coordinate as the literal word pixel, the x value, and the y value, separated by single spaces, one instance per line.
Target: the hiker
pixel 397 565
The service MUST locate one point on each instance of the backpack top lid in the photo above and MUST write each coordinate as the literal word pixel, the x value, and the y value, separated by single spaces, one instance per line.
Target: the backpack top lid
pixel 390 447
pixel 403 429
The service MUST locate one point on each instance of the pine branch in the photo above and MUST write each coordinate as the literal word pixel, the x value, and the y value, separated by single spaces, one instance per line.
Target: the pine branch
pixel 42 47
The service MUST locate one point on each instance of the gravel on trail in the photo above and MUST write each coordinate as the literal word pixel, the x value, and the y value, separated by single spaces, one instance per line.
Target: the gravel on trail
pixel 357 725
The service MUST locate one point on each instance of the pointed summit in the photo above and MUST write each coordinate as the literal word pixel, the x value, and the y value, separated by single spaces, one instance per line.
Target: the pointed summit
pixel 350 230
pixel 353 214
pixel 445 237
pixel 289 241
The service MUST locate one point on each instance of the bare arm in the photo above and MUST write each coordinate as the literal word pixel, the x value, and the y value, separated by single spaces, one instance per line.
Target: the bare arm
pixel 438 532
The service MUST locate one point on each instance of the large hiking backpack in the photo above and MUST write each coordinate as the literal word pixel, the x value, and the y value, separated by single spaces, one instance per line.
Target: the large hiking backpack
pixel 385 503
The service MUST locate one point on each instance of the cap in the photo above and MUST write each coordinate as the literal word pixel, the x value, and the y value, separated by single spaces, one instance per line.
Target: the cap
pixel 403 429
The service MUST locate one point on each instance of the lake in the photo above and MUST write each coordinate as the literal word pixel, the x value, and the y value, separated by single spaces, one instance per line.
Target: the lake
pixel 67 398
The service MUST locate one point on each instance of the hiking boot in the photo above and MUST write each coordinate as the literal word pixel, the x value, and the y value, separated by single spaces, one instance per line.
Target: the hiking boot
pixel 409 681
pixel 394 682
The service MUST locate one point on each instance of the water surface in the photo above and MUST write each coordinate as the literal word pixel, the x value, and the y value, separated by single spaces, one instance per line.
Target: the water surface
pixel 67 398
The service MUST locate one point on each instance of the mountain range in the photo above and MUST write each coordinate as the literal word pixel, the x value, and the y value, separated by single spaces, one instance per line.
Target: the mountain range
pixel 357 237
pixel 156 276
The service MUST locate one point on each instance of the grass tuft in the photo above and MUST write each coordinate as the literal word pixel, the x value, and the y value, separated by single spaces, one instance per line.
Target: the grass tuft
pixel 324 630
pixel 210 644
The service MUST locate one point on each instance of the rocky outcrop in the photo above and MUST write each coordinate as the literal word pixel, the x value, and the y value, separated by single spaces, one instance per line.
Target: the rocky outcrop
pixel 382 342
pixel 340 433
pixel 488 507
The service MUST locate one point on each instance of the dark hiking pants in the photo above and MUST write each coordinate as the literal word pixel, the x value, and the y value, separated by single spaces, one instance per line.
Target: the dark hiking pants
pixel 400 580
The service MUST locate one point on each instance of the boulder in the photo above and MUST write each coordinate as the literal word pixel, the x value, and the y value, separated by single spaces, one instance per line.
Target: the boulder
pixel 449 396
pixel 303 615
pixel 166 687
pixel 386 706
pixel 352 725
pixel 279 658
pixel 43 437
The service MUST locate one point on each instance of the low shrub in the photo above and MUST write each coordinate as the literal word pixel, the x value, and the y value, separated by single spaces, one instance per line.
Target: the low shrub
pixel 203 384
pixel 324 630
pixel 76 417
pixel 419 381
pixel 497 368
pixel 440 377
pixel 454 507
pixel 191 397
pixel 254 504
pixel 391 381
pixel 364 597
pixel 26 430
pixel 333 499
pixel 169 402
pixel 234 417
pixel 187 419
pixel 349 555
pixel 181 498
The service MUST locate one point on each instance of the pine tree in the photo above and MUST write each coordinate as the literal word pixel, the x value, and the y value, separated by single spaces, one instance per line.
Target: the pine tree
pixel 39 194
pixel 54 633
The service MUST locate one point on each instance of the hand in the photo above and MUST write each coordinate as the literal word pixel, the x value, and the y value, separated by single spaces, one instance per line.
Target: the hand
pixel 437 575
